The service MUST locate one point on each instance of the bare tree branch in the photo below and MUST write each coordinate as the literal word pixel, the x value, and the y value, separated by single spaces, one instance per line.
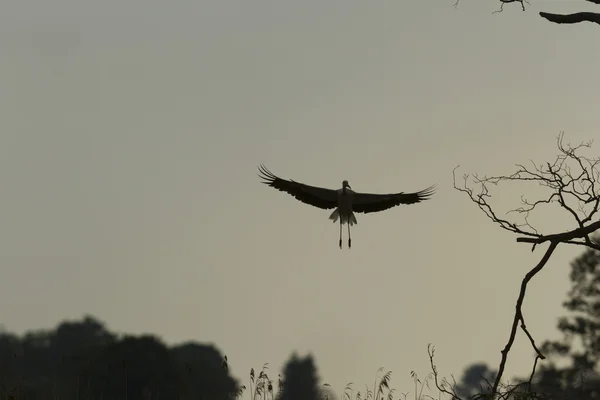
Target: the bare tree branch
pixel 443 386
pixel 556 18
pixel 572 182
pixel 519 315
pixel 574 18
pixel 567 237
pixel 532 373
pixel 503 2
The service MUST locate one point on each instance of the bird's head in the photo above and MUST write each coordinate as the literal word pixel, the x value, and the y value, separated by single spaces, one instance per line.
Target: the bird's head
pixel 345 184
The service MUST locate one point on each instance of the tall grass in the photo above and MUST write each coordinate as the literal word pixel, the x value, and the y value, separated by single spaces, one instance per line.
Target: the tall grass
pixel 262 387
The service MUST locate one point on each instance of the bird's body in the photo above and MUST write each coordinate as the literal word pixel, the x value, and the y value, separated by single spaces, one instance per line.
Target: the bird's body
pixel 344 212
pixel 345 201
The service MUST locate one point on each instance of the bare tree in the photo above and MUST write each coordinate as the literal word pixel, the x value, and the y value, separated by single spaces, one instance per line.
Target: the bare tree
pixel 572 185
pixel 572 18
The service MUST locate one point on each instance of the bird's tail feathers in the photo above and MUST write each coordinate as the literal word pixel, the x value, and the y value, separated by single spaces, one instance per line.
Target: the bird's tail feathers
pixel 335 215
pixel 353 219
pixel 345 220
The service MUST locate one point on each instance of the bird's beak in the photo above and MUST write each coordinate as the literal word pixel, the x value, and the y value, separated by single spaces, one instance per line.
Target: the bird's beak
pixel 349 187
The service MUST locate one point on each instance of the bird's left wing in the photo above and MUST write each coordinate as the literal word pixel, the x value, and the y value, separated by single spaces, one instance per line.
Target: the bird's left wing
pixel 369 202
pixel 315 196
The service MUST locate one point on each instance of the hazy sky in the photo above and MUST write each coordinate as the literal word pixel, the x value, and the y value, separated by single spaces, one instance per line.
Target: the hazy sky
pixel 131 132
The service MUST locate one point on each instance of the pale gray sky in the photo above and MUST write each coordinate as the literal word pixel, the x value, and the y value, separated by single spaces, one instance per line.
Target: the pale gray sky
pixel 131 132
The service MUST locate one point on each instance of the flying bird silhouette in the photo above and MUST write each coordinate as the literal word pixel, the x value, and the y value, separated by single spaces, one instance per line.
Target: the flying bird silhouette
pixel 345 201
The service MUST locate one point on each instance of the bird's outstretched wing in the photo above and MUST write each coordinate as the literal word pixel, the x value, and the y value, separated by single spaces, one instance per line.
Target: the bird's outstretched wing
pixel 368 202
pixel 315 196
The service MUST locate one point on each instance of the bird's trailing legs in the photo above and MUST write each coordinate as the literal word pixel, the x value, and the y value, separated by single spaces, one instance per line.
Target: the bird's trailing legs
pixel 349 238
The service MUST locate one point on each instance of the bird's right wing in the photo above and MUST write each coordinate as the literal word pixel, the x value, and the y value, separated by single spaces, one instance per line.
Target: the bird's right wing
pixel 315 196
pixel 372 202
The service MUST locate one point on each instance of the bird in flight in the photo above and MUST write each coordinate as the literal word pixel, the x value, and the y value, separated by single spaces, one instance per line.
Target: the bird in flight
pixel 345 201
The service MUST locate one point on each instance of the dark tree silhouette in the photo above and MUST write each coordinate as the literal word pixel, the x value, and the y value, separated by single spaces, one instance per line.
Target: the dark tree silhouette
pixel 571 182
pixel 573 362
pixel 579 347
pixel 83 360
pixel 135 366
pixel 74 348
pixel 11 367
pixel 573 18
pixel 476 380
pixel 300 379
pixel 202 370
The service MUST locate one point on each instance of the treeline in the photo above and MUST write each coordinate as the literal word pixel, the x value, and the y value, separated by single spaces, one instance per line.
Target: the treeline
pixel 83 360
